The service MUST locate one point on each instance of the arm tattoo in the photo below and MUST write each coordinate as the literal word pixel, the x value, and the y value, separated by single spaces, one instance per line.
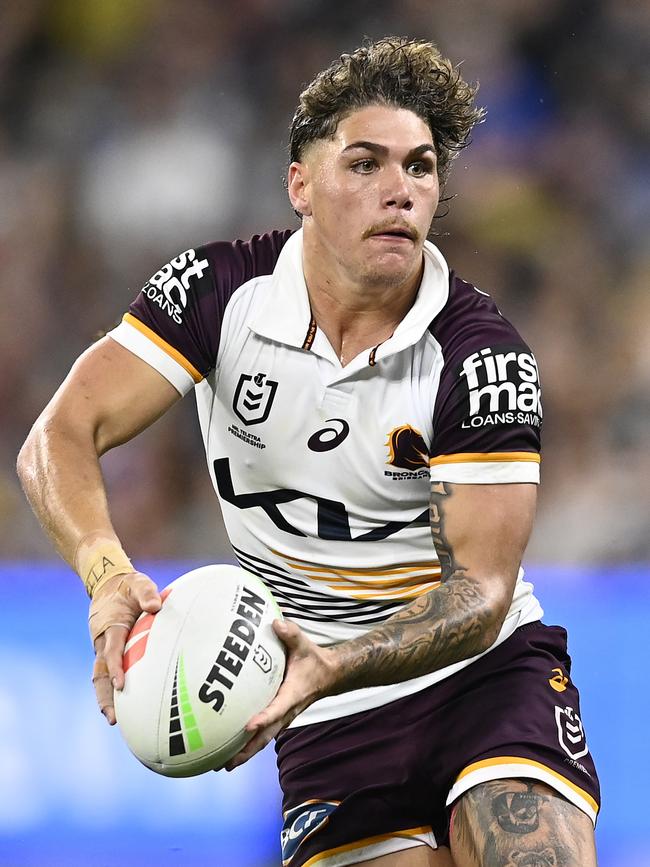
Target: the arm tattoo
pixel 452 622
pixel 448 564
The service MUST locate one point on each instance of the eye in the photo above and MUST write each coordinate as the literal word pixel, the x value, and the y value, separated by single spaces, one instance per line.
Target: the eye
pixel 420 168
pixel 364 167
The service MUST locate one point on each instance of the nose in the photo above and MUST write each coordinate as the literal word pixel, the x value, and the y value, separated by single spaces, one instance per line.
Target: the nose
pixel 396 192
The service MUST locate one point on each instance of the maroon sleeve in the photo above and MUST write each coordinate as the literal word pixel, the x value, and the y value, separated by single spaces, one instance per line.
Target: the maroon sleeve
pixel 488 400
pixel 183 303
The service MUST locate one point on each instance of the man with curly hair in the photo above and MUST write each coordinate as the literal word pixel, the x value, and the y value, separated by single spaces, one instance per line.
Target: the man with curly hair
pixel 371 424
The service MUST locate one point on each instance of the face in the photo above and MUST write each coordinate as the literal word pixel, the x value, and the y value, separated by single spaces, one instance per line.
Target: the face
pixel 368 196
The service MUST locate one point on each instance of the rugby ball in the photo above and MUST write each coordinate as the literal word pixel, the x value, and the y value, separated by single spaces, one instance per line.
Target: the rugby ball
pixel 198 670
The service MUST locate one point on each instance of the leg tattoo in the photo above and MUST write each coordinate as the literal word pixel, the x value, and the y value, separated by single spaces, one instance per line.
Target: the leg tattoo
pixel 520 823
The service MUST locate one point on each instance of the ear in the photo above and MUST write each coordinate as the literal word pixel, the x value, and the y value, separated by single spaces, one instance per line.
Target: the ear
pixel 298 188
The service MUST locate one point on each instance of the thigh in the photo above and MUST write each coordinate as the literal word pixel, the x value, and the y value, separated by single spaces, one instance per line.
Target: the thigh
pixel 520 823
pixel 358 788
pixel 422 856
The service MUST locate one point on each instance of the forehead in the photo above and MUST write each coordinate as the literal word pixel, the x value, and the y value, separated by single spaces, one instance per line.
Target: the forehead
pixel 396 128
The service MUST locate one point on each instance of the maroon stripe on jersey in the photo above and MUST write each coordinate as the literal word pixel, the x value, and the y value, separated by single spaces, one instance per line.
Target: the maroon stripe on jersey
pixel 488 399
pixel 184 302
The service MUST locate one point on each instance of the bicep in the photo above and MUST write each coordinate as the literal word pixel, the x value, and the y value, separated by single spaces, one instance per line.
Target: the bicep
pixel 483 530
pixel 110 394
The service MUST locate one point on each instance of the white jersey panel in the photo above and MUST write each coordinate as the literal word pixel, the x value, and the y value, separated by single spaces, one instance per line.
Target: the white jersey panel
pixel 323 471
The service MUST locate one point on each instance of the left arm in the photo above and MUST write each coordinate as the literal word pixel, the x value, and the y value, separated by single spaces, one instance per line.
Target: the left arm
pixel 480 533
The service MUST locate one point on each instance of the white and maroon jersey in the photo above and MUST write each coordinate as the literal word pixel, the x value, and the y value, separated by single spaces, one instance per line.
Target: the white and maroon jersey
pixel 323 471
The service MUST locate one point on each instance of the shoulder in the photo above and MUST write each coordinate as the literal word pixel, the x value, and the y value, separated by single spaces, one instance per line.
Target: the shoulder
pixel 471 320
pixel 179 313
pixel 488 411
pixel 233 263
pixel 201 281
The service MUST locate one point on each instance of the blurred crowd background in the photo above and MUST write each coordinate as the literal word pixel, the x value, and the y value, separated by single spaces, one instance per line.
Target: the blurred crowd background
pixel 131 130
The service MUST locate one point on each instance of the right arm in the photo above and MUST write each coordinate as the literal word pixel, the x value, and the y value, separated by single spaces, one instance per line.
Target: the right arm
pixel 109 396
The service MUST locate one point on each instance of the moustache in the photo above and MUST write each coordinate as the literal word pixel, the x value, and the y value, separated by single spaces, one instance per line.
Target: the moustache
pixel 387 226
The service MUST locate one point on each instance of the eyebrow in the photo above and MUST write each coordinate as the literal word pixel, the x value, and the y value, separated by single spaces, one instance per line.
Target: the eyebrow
pixel 382 150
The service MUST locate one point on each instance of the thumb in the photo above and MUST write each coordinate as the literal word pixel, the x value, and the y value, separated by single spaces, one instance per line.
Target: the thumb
pixel 146 594
pixel 289 633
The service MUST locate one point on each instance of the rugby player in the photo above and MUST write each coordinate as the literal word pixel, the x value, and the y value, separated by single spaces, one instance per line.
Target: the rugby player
pixel 371 424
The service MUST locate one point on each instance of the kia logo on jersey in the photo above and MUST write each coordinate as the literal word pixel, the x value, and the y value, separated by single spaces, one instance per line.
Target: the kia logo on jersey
pixel 253 398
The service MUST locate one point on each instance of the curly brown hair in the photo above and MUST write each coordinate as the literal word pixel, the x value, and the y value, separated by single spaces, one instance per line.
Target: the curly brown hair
pixel 393 71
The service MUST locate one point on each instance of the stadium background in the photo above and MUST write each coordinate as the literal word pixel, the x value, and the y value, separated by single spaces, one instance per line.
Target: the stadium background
pixel 133 129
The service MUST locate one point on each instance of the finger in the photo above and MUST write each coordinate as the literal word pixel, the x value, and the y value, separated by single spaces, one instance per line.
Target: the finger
pixel 103 689
pixel 115 639
pixel 99 643
pixel 260 720
pixel 276 709
pixel 256 743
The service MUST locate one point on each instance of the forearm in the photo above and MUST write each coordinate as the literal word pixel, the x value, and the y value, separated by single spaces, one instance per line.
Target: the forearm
pixel 479 546
pixel 450 623
pixel 108 397
pixel 59 470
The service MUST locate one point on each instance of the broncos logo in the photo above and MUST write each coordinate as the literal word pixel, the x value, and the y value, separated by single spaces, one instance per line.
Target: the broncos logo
pixel 407 448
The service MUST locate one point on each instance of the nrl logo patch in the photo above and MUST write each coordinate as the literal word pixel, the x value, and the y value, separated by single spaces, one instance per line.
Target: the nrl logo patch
pixel 571 734
pixel 253 398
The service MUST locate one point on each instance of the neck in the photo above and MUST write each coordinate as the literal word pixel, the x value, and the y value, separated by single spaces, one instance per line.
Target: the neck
pixel 356 315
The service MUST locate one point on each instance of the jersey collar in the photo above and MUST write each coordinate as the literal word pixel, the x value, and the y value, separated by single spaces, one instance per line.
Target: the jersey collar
pixel 285 315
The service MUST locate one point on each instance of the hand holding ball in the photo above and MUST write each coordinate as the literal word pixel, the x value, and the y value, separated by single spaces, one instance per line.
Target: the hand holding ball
pixel 198 670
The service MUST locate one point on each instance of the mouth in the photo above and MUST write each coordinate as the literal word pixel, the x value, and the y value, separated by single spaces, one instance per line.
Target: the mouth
pixel 395 233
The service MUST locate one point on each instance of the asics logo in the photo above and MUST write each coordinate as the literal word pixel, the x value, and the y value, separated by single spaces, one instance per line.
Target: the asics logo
pixel 329 438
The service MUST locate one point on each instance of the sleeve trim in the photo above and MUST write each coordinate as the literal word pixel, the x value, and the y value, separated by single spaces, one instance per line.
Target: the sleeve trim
pixel 478 457
pixel 489 473
pixel 162 344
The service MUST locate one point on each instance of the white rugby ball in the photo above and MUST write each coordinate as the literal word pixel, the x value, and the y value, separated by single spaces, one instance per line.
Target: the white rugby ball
pixel 198 670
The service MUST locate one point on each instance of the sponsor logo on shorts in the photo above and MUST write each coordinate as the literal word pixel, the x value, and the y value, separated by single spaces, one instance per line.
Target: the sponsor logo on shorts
pixel 559 680
pixel 502 388
pixel 328 438
pixel 571 733
pixel 301 822
pixel 168 287
pixel 253 398
pixel 408 451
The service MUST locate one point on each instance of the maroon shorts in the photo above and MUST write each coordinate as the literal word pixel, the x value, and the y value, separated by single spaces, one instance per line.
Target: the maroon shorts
pixel 393 772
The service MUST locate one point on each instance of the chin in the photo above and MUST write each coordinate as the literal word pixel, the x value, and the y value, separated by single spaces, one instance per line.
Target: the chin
pixel 392 270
